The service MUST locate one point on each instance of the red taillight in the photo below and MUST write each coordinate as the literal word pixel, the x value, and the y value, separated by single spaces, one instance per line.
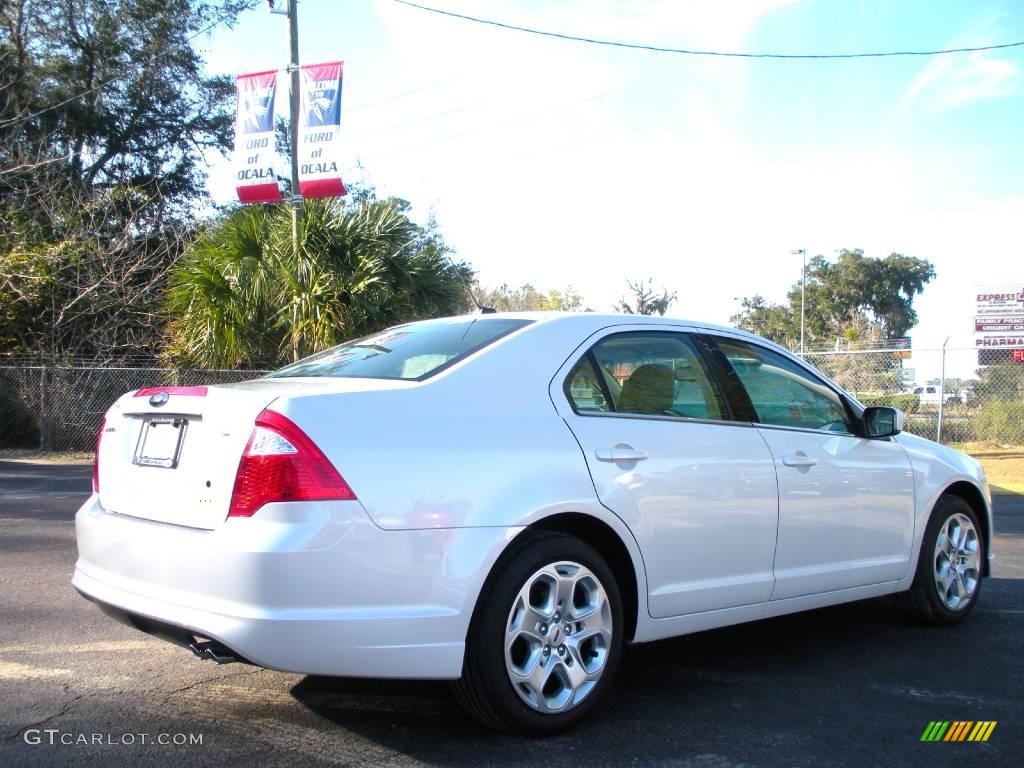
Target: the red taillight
pixel 179 391
pixel 280 463
pixel 96 458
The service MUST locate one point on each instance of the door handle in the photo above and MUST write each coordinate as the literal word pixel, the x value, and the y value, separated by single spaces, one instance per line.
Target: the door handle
pixel 799 459
pixel 621 452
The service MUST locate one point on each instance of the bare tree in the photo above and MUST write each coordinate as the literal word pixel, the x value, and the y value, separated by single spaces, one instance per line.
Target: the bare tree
pixel 644 300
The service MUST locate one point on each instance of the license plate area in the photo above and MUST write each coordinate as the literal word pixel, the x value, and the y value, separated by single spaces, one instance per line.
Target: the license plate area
pixel 160 441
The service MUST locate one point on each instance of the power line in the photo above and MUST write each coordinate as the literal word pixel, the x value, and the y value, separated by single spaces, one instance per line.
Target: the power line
pixel 396 97
pixel 693 52
pixel 108 81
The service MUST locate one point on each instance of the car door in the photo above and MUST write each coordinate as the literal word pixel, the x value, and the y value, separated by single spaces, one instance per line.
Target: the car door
pixel 697 489
pixel 846 503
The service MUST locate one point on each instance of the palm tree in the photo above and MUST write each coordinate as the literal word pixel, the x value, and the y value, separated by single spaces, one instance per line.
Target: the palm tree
pixel 241 296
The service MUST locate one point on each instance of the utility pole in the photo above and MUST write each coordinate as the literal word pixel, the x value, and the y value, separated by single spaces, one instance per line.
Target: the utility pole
pixel 295 101
pixel 295 104
pixel 803 295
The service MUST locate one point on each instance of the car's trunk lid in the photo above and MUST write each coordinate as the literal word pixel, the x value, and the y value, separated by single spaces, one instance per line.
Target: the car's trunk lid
pixel 173 457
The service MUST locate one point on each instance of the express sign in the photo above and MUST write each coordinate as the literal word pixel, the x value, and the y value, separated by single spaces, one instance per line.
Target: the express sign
pixel 1000 303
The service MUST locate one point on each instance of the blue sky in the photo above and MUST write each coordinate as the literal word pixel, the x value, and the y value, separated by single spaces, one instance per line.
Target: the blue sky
pixel 559 163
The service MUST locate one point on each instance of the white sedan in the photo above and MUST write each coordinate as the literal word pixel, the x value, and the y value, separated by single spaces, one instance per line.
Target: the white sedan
pixel 505 500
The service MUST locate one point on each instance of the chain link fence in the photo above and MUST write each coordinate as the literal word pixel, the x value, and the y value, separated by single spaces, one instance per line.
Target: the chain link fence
pixel 59 408
pixel 944 393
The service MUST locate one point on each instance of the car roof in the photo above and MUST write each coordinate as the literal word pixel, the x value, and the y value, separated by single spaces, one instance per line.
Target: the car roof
pixel 598 320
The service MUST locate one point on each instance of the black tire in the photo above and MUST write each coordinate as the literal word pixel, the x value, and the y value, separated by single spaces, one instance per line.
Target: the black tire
pixel 922 601
pixel 485 689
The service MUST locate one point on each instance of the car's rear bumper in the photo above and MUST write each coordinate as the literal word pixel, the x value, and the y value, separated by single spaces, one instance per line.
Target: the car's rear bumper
pixel 311 587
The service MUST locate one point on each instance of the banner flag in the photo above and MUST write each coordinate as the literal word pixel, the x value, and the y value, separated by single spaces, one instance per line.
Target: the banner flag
pixel 255 154
pixel 319 145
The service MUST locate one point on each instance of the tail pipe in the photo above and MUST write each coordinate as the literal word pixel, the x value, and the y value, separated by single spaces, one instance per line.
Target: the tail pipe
pixel 214 651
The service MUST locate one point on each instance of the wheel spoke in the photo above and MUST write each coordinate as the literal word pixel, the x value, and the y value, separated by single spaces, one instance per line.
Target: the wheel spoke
pixel 956 536
pixel 595 622
pixel 530 621
pixel 566 585
pixel 536 681
pixel 577 673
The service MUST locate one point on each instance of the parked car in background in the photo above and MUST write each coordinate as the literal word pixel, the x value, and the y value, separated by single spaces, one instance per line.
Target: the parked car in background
pixel 929 395
pixel 507 500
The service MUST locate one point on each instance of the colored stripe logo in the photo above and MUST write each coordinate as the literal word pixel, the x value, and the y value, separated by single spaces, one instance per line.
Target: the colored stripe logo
pixel 959 730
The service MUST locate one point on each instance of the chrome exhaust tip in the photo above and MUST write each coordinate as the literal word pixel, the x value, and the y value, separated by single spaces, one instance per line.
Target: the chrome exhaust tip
pixel 214 651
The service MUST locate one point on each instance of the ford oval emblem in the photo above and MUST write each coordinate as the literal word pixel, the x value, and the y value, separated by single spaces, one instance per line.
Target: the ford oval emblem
pixel 159 399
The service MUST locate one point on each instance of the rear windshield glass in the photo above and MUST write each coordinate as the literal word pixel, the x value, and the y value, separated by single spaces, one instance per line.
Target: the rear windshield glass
pixel 414 352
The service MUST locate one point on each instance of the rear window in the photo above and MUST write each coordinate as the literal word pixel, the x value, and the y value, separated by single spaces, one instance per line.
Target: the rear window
pixel 412 352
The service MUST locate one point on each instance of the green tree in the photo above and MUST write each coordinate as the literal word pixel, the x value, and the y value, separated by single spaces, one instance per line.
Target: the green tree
pixel 105 112
pixel 1003 381
pixel 855 299
pixel 645 300
pixel 527 298
pixel 773 321
pixel 240 297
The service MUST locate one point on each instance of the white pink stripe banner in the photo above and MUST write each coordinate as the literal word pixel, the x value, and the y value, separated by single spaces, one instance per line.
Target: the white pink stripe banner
pixel 319 145
pixel 255 156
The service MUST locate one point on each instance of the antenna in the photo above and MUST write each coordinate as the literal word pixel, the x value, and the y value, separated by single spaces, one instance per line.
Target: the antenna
pixel 465 283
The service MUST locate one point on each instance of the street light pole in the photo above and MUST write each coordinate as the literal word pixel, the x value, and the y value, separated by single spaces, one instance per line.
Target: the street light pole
pixel 942 392
pixel 803 295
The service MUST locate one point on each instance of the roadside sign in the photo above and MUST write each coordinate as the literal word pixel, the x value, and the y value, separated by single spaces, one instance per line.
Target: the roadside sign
pixel 999 324
pixel 901 346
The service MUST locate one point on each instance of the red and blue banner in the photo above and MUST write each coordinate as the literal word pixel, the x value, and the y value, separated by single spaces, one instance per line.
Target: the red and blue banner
pixel 319 133
pixel 255 154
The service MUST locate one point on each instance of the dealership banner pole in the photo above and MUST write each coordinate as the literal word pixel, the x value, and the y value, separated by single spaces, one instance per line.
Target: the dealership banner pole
pixel 296 84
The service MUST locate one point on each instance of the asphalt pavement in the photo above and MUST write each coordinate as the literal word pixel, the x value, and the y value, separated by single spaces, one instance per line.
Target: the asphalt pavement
pixel 854 685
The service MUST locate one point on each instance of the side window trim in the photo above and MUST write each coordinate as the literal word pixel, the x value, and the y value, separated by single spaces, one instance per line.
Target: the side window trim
pixel 599 374
pixel 595 371
pixel 743 398
pixel 700 346
pixel 725 379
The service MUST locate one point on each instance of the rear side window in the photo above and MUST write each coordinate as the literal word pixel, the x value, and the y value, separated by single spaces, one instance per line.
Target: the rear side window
pixel 782 392
pixel 648 373
pixel 412 352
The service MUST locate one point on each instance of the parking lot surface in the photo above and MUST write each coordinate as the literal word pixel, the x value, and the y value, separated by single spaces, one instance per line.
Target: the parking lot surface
pixel 853 685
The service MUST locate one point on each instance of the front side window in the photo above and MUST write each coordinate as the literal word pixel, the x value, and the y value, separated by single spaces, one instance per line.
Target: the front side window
pixel 781 392
pixel 647 373
pixel 413 352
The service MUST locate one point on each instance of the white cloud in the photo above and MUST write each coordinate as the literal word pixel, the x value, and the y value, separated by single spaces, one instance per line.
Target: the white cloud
pixel 954 80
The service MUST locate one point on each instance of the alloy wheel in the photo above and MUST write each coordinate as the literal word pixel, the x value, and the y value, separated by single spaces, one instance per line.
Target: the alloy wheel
pixel 956 561
pixel 557 637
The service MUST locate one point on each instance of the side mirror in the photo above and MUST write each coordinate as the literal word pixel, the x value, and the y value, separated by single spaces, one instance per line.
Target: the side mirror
pixel 882 421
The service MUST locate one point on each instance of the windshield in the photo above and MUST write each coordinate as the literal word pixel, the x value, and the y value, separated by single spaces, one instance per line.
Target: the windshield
pixel 412 352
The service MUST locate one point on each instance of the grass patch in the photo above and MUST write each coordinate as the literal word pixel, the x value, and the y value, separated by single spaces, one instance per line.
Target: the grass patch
pixel 1004 465
pixel 46 457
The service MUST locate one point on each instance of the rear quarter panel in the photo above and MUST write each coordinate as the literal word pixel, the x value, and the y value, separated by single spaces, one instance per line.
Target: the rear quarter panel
pixel 478 445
